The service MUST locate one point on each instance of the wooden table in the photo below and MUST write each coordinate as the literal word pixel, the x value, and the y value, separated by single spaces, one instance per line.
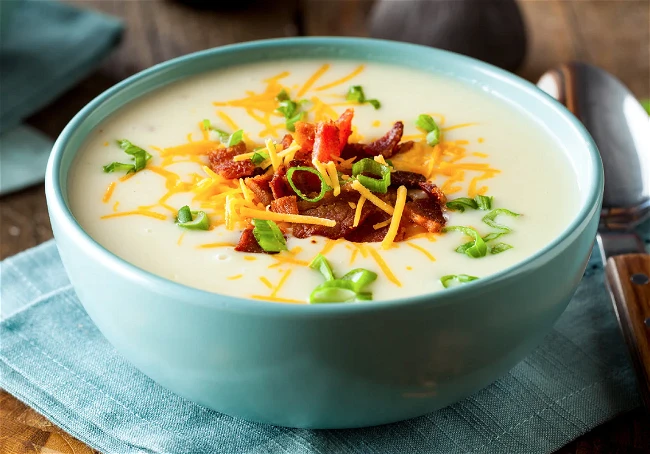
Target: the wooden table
pixel 613 34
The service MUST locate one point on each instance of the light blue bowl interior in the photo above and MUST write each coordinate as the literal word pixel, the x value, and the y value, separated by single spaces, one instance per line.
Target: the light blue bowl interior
pixel 528 99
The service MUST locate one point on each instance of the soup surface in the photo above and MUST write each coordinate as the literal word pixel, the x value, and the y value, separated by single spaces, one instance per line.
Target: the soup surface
pixel 485 147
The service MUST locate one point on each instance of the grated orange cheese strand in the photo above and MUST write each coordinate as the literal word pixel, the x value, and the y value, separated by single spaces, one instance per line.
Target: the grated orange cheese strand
pixel 235 277
pixel 380 225
pixel 396 219
pixel 281 283
pixel 424 251
pixel 462 125
pixel 384 267
pixel 342 80
pixel 266 282
pixel 372 198
pixel 322 70
pixel 275 161
pixel 215 245
pixel 334 178
pixel 109 192
pixel 293 218
pixel 357 212
pixel 322 170
pixel 276 299
pixel 227 120
pixel 151 214
pixel 282 75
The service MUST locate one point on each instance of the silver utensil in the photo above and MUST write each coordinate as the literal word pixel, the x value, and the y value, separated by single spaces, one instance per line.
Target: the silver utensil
pixel 621 129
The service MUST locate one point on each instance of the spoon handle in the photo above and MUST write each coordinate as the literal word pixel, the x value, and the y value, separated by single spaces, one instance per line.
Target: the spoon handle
pixel 628 279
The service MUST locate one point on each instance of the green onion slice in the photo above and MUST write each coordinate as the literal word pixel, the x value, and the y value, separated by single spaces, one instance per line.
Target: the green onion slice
pixel 229 140
pixel 499 247
pixel 349 288
pixel 259 157
pixel 356 94
pixel 367 165
pixel 139 155
pixel 477 248
pixel 269 236
pixel 484 202
pixel 324 187
pixel 282 96
pixel 646 105
pixel 428 124
pixel 458 278
pixel 489 218
pixel 321 264
pixel 460 204
pixel 192 220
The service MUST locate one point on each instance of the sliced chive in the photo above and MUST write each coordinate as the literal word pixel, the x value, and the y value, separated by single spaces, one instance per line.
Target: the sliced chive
pixel 324 187
pixel 269 236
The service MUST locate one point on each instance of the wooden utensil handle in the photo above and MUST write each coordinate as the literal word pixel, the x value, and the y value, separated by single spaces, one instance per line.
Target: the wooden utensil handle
pixel 628 277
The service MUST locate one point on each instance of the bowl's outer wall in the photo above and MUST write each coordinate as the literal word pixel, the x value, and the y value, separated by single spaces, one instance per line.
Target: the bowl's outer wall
pixel 320 368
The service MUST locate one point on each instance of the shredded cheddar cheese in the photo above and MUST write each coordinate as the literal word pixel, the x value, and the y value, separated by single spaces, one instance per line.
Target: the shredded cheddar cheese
pixel 372 198
pixel 334 178
pixel 383 224
pixel 151 214
pixel 322 170
pixel 382 264
pixel 276 299
pixel 396 219
pixel 109 192
pixel 421 249
pixel 357 213
pixel 235 277
pixel 292 218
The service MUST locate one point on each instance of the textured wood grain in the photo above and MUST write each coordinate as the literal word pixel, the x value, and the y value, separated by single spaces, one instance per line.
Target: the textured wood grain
pixel 628 278
pixel 597 31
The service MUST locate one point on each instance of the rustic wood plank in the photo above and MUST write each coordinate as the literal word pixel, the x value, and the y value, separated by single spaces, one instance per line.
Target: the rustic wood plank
pixel 157 30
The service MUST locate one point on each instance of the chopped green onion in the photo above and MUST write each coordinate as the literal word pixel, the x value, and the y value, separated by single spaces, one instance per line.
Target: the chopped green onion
pixel 184 215
pixel 229 140
pixel 493 236
pixel 290 110
pixel 118 166
pixel 389 162
pixel 459 278
pixel 192 220
pixel 346 289
pixel 259 157
pixel 321 264
pixel 428 124
pixel 477 248
pixel 460 204
pixel 269 236
pixel 235 138
pixel 489 218
pixel 356 94
pixel 367 165
pixel 484 202
pixel 324 187
pixel 499 247
pixel 140 157
pixel 282 96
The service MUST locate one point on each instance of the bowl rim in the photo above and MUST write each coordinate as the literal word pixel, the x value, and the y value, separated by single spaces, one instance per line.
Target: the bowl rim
pixel 58 208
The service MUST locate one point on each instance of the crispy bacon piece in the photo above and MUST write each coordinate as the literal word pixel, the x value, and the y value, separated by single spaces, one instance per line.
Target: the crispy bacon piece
pixel 427 212
pixel 344 123
pixel 260 185
pixel 248 243
pixel 285 205
pixel 385 146
pixel 305 135
pixel 337 209
pixel 279 185
pixel 326 141
pixel 404 147
pixel 286 141
pixel 409 179
pixel 221 162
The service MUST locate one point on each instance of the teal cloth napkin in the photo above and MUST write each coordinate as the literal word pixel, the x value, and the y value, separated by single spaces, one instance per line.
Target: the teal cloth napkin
pixel 47 48
pixel 55 360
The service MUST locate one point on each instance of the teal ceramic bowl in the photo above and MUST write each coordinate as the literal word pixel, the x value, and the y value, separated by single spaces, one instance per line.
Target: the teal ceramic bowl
pixel 338 365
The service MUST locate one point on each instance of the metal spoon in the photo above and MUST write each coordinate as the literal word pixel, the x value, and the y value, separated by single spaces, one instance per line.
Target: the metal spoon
pixel 621 129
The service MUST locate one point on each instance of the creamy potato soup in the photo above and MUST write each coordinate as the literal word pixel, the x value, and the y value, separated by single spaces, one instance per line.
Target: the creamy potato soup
pixel 393 182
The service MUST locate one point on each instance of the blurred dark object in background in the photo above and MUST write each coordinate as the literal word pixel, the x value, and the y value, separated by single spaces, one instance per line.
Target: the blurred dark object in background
pixel 490 30
pixel 223 5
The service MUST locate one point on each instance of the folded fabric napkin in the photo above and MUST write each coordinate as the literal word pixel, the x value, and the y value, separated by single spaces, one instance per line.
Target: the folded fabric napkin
pixel 54 359
pixel 47 47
